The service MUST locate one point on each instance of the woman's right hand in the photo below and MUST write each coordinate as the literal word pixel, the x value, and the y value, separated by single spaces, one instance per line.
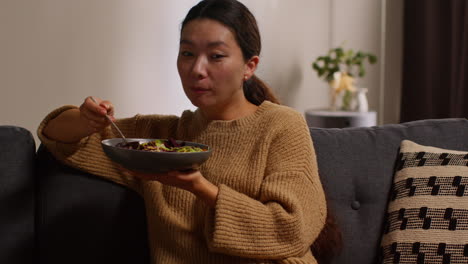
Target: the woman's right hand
pixel 74 124
pixel 94 110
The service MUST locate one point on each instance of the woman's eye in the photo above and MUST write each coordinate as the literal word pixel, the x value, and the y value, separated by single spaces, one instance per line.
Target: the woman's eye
pixel 217 56
pixel 186 53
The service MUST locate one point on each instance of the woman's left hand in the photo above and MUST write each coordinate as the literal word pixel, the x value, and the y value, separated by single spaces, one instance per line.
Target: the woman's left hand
pixel 191 180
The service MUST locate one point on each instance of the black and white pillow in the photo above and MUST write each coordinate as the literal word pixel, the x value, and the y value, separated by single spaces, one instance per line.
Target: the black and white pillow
pixel 427 215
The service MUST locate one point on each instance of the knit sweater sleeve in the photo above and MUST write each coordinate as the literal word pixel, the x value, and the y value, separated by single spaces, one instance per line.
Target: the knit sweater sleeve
pixel 88 155
pixel 290 211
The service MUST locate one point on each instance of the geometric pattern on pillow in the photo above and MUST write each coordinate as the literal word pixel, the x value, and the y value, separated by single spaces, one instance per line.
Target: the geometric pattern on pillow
pixel 427 215
pixel 421 253
pixel 422 158
pixel 432 185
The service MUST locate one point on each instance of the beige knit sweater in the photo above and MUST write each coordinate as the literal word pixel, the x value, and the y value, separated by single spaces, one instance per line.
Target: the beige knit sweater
pixel 270 206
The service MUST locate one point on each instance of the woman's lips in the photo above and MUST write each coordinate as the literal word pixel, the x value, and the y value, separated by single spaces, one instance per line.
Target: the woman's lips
pixel 199 90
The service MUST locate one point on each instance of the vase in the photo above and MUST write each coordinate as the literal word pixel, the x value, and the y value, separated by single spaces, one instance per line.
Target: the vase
pixel 342 92
pixel 362 105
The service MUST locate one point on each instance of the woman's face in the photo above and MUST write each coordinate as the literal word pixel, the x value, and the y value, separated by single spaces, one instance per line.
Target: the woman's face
pixel 211 65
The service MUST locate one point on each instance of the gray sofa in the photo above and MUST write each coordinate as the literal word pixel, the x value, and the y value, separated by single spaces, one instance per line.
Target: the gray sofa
pixel 55 214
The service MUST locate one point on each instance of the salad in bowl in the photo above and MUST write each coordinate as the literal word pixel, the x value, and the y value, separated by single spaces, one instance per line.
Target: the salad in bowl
pixel 156 155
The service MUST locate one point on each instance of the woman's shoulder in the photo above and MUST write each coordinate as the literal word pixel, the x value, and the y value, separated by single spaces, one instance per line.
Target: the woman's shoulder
pixel 285 122
pixel 282 114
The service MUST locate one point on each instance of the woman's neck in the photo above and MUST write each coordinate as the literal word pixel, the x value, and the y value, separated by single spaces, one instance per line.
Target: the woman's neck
pixel 230 111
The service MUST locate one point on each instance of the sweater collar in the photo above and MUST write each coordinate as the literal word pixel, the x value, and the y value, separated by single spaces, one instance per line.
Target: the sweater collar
pixel 232 124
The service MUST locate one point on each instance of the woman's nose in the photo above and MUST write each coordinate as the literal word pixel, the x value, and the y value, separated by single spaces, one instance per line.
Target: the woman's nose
pixel 199 68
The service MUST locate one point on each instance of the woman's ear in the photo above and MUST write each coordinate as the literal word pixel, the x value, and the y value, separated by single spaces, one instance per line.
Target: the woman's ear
pixel 250 67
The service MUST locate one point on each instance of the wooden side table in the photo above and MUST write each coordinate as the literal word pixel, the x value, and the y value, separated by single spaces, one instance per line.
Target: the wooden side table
pixel 340 119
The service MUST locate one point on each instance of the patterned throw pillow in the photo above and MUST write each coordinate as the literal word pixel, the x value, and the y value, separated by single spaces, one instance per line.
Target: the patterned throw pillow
pixel 427 215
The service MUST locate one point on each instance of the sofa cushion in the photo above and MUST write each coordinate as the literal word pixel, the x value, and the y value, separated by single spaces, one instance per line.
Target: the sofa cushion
pixel 356 166
pixel 427 216
pixel 16 195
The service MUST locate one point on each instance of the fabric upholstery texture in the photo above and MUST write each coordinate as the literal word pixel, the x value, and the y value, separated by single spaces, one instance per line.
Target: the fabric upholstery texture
pixel 16 195
pixel 84 219
pixel 356 166
pixel 427 217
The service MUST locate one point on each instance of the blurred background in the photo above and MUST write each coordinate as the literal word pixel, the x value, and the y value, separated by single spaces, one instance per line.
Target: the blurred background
pixel 57 52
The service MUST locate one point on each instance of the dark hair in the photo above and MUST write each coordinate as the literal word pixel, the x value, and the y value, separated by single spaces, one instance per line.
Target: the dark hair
pixel 240 20
pixel 329 242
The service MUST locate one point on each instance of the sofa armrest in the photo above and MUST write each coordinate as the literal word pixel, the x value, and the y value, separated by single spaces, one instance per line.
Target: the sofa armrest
pixel 85 219
pixel 17 163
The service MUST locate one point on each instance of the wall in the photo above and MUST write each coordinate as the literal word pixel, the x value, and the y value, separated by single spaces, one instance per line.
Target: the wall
pixel 296 32
pixel 56 52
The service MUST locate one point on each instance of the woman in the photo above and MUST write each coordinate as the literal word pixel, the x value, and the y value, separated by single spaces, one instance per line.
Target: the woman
pixel 258 199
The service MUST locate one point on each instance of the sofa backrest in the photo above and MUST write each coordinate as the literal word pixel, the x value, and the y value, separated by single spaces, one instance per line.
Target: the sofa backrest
pixel 356 166
pixel 17 152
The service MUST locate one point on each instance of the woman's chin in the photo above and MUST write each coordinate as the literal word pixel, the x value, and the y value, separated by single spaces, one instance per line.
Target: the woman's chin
pixel 202 102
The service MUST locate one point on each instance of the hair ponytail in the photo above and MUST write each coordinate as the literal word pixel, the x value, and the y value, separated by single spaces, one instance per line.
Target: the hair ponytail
pixel 256 91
